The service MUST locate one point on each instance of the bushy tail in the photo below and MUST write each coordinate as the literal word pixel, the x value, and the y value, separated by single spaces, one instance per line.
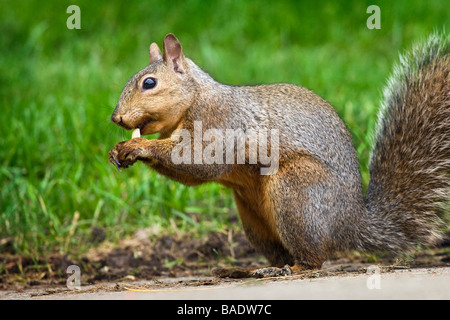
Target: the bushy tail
pixel 409 189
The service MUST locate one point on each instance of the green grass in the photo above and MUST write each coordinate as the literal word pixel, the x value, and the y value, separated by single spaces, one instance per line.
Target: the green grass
pixel 58 88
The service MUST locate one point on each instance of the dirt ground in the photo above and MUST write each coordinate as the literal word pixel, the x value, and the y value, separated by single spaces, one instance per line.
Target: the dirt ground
pixel 172 261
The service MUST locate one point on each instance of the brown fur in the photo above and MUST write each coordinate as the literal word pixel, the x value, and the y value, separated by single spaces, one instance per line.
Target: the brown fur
pixel 313 205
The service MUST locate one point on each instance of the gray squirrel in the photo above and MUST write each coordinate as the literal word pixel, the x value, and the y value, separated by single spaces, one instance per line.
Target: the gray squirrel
pixel 313 205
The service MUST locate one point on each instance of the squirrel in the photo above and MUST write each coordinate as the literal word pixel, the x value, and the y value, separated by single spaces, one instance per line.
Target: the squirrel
pixel 312 205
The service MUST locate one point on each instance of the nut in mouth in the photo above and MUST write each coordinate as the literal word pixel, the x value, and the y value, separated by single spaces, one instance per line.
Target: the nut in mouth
pixel 144 125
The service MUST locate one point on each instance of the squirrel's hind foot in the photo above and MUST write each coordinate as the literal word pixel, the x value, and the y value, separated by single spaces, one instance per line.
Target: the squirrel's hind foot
pixel 266 272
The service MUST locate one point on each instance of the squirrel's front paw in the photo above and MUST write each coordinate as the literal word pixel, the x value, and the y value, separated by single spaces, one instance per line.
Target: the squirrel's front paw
pixel 126 153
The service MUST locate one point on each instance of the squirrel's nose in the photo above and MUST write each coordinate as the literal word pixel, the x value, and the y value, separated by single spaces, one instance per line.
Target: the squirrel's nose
pixel 116 118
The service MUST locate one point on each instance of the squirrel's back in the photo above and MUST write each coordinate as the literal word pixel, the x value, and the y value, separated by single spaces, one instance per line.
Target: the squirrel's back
pixel 306 122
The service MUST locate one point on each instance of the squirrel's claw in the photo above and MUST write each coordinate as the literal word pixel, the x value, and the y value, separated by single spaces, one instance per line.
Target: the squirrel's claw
pixel 115 162
pixel 112 158
pixel 126 153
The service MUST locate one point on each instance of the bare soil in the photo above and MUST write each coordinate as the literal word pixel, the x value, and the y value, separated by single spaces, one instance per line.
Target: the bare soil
pixel 181 257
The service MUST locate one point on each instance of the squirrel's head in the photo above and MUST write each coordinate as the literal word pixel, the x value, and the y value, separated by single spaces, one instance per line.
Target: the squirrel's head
pixel 155 99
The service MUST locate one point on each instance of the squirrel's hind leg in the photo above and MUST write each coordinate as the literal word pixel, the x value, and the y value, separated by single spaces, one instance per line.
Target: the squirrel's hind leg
pixel 259 226
pixel 300 196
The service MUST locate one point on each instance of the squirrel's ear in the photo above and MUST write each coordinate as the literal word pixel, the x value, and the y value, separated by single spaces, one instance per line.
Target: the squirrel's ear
pixel 155 53
pixel 173 53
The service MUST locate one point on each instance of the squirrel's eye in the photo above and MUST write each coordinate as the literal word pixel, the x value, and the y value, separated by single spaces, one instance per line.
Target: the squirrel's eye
pixel 149 83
